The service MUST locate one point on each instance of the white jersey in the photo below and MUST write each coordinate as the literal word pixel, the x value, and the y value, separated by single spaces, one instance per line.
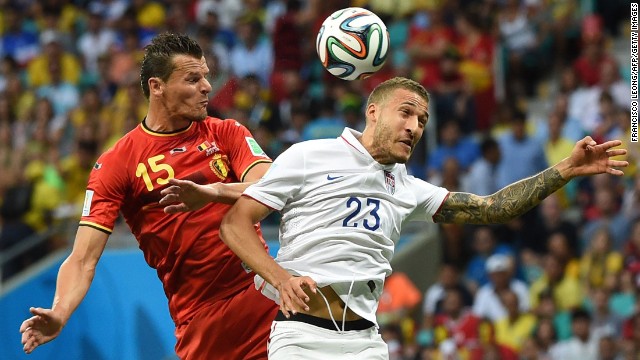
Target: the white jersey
pixel 342 213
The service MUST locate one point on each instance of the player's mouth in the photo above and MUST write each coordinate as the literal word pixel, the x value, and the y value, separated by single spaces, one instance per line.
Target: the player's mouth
pixel 408 143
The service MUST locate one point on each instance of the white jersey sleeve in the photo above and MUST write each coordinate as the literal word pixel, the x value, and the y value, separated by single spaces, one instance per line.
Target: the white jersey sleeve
pixel 429 199
pixel 282 181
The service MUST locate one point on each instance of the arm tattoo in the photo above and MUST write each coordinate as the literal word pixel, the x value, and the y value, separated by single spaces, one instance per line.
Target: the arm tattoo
pixel 506 204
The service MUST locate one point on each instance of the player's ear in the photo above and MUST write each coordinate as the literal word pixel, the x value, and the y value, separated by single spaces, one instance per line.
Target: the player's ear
pixel 155 86
pixel 372 113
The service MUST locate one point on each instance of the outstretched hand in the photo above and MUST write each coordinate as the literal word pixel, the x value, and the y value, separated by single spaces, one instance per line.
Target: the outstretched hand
pixel 292 294
pixel 44 326
pixel 183 196
pixel 590 158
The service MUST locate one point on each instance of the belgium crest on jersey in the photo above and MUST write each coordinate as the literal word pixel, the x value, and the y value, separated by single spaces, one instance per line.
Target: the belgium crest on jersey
pixel 219 166
pixel 390 182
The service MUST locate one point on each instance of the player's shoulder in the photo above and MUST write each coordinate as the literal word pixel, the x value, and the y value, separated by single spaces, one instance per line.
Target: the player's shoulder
pixel 126 144
pixel 316 144
pixel 218 123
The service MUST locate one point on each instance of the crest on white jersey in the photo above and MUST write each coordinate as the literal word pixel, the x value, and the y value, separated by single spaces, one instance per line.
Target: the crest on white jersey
pixel 390 182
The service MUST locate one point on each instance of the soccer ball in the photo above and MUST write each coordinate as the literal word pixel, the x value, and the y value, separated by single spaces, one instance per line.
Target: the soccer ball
pixel 353 43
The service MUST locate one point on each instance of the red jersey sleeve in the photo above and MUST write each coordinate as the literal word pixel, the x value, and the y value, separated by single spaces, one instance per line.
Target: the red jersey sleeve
pixel 244 151
pixel 105 192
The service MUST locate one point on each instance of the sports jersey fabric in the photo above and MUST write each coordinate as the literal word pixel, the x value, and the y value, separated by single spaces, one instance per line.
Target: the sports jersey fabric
pixel 342 213
pixel 194 265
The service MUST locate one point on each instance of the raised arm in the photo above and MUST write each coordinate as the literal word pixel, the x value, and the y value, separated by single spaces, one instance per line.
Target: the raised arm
pixel 74 278
pixel 238 233
pixel 587 158
pixel 185 195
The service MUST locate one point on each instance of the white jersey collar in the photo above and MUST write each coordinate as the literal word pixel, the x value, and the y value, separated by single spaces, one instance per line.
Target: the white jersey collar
pixel 351 137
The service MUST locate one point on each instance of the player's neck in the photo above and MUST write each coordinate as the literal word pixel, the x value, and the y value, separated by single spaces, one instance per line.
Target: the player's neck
pixel 158 121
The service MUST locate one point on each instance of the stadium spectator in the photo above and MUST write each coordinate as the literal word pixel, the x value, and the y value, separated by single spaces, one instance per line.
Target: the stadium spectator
pixel 591 60
pixel 476 47
pixel 125 58
pixel 557 144
pixel 560 320
pixel 603 320
pixel 451 94
pixel 600 263
pixel 481 177
pixel 452 143
pixel 519 148
pixel 17 42
pixel 253 54
pixel 226 10
pixel 488 300
pixel 571 127
pixel 544 338
pixel 459 325
pixel 288 36
pixel 449 277
pixel 513 329
pixel 550 219
pixel 39 69
pixel 112 10
pixel 95 42
pixel 210 292
pixel 631 199
pixel 428 43
pixel 631 335
pixel 63 95
pixel 608 348
pixel 608 216
pixel 485 245
pixel 584 342
pixel 623 298
pixel 327 124
pixel 566 290
pixel 559 247
pixel 521 46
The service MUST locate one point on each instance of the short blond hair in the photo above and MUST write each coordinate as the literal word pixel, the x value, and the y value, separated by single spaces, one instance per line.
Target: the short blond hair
pixel 381 91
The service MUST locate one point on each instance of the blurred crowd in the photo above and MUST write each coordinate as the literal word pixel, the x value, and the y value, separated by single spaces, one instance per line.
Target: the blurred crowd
pixel 561 282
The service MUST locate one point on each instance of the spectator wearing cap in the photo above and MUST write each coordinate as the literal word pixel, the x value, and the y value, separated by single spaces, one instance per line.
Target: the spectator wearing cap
pixel 39 69
pixel 583 345
pixel 487 303
pixel 485 244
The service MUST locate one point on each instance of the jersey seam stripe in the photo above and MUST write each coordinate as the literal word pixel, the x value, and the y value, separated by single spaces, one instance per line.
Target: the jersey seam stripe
pixel 440 207
pixel 151 132
pixel 347 141
pixel 96 226
pixel 251 197
pixel 244 173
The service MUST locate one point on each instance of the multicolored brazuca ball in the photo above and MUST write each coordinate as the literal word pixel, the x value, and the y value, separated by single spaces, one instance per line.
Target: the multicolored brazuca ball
pixel 353 43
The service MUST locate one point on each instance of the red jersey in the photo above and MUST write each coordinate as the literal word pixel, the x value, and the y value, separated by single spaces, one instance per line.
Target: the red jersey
pixel 196 268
